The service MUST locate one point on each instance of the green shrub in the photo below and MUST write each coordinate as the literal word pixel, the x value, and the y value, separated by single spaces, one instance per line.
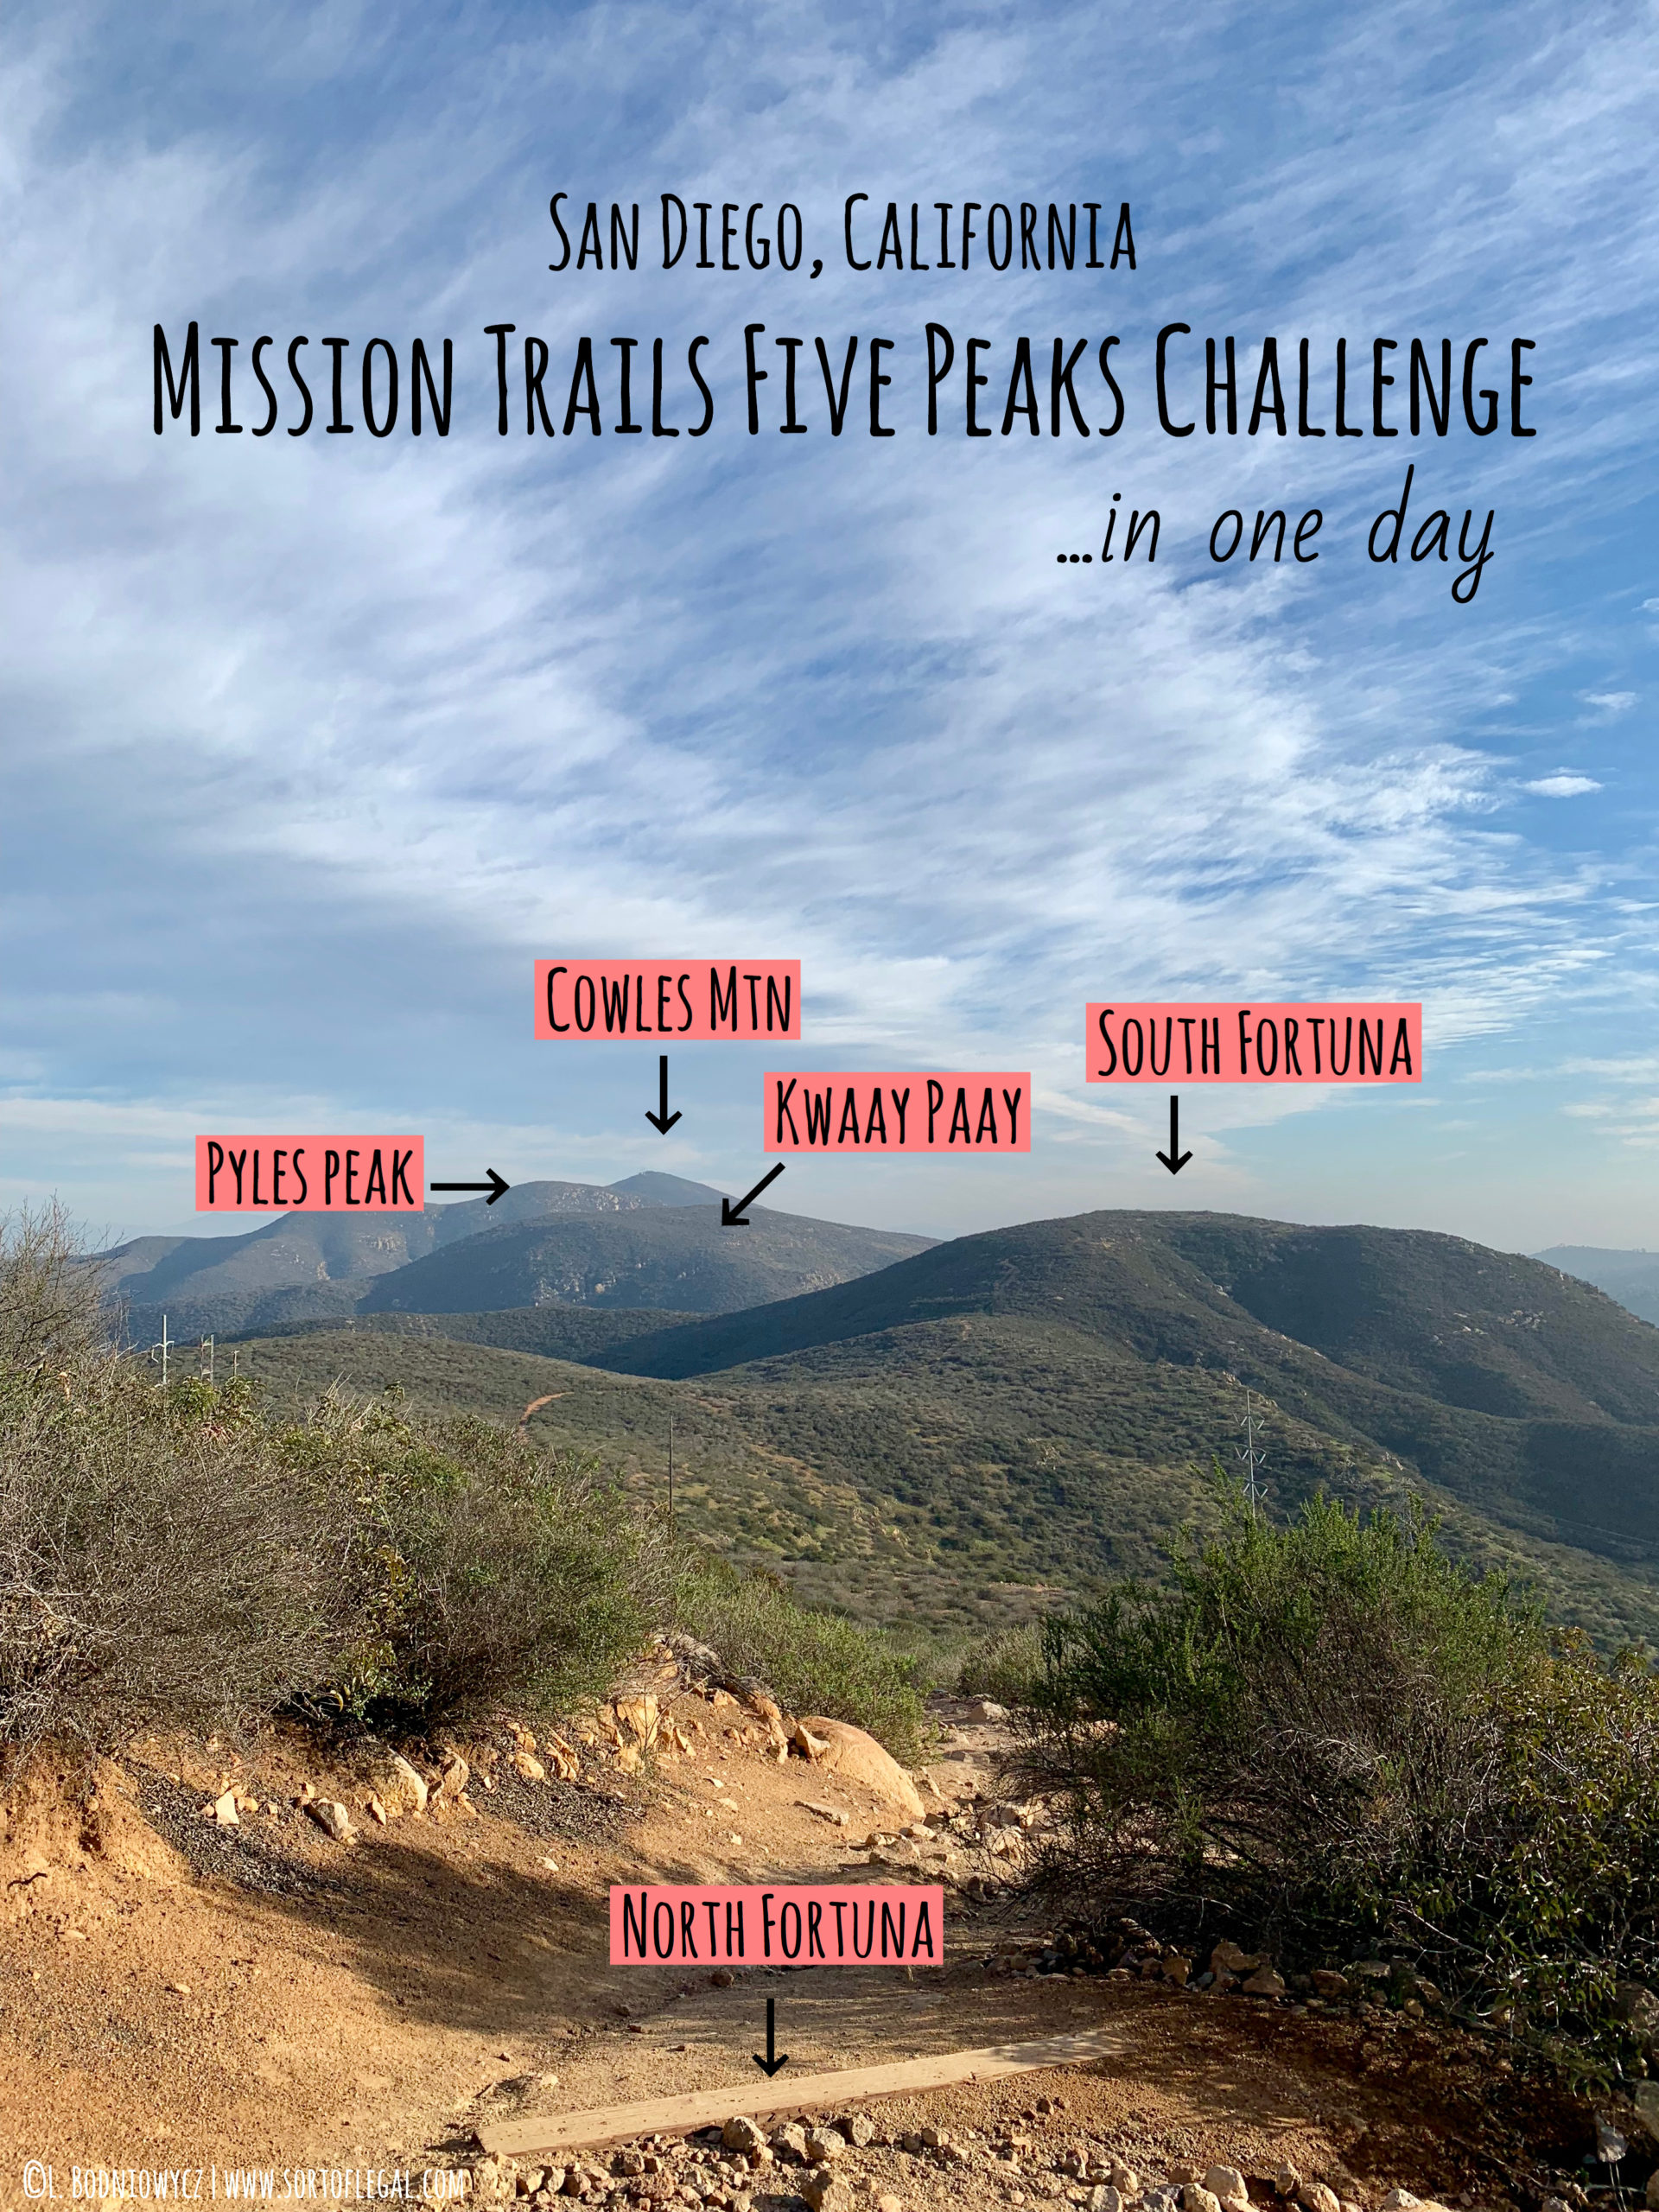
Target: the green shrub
pixel 1007 1666
pixel 483 1569
pixel 157 1558
pixel 813 1662
pixel 172 1556
pixel 1331 1740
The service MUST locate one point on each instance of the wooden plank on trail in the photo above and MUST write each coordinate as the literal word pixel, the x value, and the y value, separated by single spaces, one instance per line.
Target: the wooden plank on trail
pixel 576 2131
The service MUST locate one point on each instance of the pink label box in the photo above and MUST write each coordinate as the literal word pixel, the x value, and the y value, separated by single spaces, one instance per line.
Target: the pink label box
pixel 1226 1041
pixel 687 1001
pixel 912 1112
pixel 339 1174
pixel 806 1924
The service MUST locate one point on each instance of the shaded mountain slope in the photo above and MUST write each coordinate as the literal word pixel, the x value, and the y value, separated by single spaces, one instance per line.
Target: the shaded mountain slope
pixel 679 1257
pixel 550 1331
pixel 645 1235
pixel 297 1251
pixel 1530 1395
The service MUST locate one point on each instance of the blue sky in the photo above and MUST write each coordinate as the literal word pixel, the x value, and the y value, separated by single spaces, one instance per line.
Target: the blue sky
pixel 313 745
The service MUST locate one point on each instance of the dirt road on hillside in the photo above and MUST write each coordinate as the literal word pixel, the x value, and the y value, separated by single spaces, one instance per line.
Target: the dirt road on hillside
pixel 287 2001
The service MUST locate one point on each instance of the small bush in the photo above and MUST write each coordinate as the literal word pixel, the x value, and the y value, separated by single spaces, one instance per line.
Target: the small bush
pixel 1007 1666
pixel 814 1662
pixel 1331 1739
pixel 156 1558
pixel 484 1570
pixel 50 1314
pixel 171 1556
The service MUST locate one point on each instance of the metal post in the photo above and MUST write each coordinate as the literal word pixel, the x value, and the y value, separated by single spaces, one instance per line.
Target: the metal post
pixel 671 1478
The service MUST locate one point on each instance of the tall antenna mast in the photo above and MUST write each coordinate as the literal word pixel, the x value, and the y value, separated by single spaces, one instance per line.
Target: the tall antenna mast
pixel 1255 1490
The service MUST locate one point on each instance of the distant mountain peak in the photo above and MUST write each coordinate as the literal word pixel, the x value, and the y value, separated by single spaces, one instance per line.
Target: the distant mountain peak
pixel 652 1189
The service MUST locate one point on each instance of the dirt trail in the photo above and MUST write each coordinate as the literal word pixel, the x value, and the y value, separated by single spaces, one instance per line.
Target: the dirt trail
pixel 295 2002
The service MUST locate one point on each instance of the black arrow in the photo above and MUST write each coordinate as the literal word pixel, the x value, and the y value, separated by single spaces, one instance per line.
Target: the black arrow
pixel 662 1120
pixel 733 1217
pixel 495 1186
pixel 1174 1159
pixel 769 2065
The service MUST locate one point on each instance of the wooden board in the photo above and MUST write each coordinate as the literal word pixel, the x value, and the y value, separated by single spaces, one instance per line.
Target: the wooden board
pixel 576 2131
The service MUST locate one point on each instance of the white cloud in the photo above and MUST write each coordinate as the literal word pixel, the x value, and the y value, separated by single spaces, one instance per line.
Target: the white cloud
pixel 318 745
pixel 1564 783
pixel 1609 702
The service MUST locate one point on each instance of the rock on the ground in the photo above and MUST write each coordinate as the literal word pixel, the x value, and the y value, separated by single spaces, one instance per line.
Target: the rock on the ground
pixel 858 2128
pixel 825 2145
pixel 397 1786
pixel 1318 2197
pixel 1610 2146
pixel 528 1767
pixel 1264 1982
pixel 855 1756
pixel 1195 2197
pixel 224 1810
pixel 1328 1982
pixel 637 1717
pixel 742 2134
pixel 789 2143
pixel 332 1817
pixel 1225 2182
pixel 825 2191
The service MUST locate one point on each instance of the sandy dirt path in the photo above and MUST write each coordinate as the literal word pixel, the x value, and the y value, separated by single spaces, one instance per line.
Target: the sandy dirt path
pixel 312 2004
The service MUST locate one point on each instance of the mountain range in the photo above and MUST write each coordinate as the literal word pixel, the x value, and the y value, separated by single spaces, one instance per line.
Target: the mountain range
pixel 653 1241
pixel 993 1424
pixel 1630 1277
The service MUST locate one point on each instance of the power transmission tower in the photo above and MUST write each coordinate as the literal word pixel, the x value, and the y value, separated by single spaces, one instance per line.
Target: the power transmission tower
pixel 1255 1490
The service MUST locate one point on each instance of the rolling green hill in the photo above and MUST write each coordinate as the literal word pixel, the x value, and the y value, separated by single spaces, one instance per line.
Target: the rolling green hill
pixel 556 1331
pixel 1007 1418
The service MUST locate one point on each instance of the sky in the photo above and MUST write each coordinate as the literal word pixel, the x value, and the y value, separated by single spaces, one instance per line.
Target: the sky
pixel 313 744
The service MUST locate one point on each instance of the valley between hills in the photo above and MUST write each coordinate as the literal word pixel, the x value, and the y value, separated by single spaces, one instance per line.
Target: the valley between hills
pixel 956 1436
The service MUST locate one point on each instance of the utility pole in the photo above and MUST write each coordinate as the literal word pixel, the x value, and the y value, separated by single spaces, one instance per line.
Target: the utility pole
pixel 1255 1490
pixel 671 1478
